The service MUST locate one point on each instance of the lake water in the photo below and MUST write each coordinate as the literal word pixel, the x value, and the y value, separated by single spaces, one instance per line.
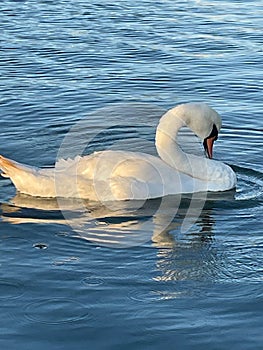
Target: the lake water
pixel 175 273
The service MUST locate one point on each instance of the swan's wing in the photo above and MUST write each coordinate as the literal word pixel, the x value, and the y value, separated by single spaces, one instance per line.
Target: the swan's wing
pixel 189 142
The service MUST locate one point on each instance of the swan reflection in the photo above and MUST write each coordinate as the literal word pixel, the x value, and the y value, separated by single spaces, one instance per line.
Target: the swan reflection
pixel 191 258
pixel 121 224
pixel 182 259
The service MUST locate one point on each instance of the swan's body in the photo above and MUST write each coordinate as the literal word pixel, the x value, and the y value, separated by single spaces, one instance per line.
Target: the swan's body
pixel 120 175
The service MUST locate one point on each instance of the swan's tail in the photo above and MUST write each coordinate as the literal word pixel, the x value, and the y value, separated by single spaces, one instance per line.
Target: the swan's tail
pixel 27 179
pixel 8 167
pixel 11 169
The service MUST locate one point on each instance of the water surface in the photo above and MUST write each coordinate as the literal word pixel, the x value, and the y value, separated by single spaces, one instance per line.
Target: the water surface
pixel 91 275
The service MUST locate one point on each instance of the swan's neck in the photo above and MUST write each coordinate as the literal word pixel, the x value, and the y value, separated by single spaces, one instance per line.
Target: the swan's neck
pixel 170 151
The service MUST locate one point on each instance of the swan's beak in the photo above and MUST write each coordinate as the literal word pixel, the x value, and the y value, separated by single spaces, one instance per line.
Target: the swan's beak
pixel 208 146
pixel 209 142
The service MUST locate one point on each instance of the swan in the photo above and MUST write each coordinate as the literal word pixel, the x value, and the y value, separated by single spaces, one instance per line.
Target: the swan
pixel 123 175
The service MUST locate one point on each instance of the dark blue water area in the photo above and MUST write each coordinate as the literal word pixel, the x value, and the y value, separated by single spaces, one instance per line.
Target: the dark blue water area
pixel 181 272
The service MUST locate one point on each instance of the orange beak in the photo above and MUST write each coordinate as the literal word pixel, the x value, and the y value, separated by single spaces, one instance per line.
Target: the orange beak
pixel 209 142
pixel 208 145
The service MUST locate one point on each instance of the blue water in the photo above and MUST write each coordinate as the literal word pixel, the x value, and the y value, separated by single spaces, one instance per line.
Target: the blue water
pixel 78 275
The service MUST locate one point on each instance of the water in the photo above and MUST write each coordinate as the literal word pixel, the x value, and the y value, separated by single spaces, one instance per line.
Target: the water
pixel 97 276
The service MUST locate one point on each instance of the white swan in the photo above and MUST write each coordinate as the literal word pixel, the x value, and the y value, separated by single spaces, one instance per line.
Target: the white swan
pixel 121 175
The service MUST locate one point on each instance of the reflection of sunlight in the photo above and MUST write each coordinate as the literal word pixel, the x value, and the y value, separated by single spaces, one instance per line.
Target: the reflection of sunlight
pixel 186 264
pixel 191 258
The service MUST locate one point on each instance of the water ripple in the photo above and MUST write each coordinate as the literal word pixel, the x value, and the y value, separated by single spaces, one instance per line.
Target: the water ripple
pixel 91 281
pixel 250 184
pixel 56 311
pixel 155 295
pixel 10 289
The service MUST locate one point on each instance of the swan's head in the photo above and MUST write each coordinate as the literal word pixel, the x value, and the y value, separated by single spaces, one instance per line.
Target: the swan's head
pixel 204 121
